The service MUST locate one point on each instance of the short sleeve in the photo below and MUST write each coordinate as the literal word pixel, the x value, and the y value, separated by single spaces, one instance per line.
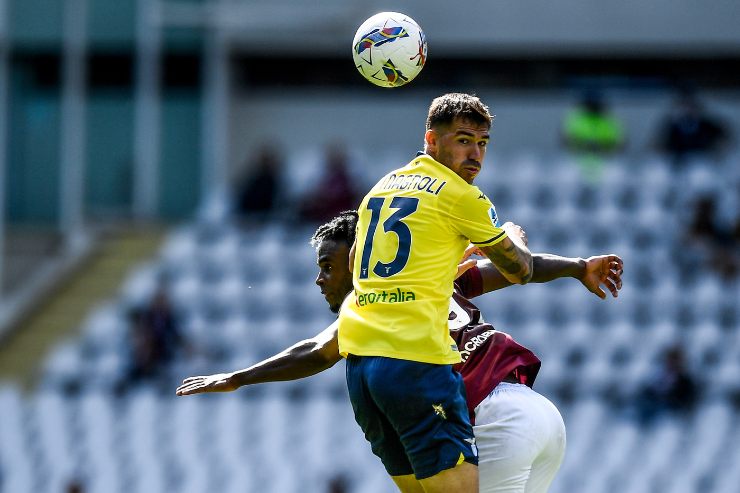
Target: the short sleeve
pixel 474 216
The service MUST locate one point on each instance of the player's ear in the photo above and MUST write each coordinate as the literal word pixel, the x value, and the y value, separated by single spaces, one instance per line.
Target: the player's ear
pixel 430 137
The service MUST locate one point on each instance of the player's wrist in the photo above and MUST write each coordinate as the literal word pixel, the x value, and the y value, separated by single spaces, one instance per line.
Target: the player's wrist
pixel 237 379
pixel 581 265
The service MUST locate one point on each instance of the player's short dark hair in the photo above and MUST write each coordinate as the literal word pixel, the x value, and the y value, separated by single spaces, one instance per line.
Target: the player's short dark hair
pixel 446 108
pixel 341 228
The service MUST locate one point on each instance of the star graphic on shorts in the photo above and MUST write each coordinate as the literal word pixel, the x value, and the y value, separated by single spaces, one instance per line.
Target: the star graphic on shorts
pixel 439 410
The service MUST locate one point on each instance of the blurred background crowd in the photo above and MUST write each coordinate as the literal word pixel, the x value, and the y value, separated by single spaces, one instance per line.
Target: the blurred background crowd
pixel 163 164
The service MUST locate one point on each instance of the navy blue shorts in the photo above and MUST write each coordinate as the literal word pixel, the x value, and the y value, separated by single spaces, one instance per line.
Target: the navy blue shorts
pixel 413 414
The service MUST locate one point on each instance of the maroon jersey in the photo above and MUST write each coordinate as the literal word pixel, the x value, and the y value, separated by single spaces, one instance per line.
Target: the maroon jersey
pixel 488 356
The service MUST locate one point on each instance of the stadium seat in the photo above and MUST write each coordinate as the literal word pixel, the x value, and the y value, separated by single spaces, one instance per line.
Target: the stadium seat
pixel 65 366
pixel 18 467
pixel 49 411
pixel 140 286
pixel 105 329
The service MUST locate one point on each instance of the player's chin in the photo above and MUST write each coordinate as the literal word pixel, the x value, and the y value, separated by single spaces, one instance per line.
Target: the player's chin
pixel 469 174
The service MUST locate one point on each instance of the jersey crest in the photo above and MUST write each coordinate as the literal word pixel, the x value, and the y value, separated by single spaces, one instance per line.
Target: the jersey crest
pixel 492 214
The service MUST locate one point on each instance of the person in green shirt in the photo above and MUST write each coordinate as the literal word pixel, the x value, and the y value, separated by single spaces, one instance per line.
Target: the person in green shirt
pixel 592 133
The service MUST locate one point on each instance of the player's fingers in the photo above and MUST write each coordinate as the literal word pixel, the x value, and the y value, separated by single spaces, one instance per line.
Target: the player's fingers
pixel 616 270
pixel 613 290
pixel 616 262
pixel 598 292
pixel 191 382
pixel 616 279
pixel 611 287
pixel 183 390
pixel 465 266
pixel 190 389
pixel 470 250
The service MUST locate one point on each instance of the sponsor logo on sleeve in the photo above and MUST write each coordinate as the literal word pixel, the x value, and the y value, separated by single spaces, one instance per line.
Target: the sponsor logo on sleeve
pixel 494 217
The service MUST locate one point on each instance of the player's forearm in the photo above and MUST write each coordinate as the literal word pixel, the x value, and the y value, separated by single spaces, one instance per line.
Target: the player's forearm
pixel 525 259
pixel 301 360
pixel 512 258
pixel 547 267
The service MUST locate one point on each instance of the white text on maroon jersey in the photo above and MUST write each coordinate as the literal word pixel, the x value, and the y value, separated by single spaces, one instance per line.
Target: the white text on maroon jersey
pixel 474 343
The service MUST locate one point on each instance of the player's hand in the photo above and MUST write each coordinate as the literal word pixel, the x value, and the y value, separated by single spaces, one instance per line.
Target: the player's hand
pixel 220 382
pixel 603 270
pixel 515 230
pixel 466 262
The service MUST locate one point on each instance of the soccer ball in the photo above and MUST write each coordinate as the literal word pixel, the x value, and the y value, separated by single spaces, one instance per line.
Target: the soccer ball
pixel 389 49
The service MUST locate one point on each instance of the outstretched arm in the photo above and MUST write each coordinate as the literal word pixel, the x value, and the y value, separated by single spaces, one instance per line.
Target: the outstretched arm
pixel 593 272
pixel 303 359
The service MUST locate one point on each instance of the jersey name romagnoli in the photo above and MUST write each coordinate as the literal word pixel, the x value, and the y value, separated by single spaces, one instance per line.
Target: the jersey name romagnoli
pixel 413 228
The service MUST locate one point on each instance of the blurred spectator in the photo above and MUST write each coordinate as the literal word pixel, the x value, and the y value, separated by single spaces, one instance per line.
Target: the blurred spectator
pixel 338 484
pixel 689 130
pixel 592 132
pixel 703 225
pixel 74 486
pixel 256 196
pixel 672 390
pixel 334 192
pixel 711 243
pixel 591 128
pixel 155 339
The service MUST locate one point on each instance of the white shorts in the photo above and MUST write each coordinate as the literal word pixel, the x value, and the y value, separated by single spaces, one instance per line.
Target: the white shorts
pixel 521 440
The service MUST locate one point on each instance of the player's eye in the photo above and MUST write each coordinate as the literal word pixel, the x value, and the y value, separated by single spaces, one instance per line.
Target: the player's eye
pixel 483 143
pixel 464 141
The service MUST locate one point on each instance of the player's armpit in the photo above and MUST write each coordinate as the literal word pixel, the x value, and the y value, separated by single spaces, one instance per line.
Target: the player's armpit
pixel 326 346
pixel 512 259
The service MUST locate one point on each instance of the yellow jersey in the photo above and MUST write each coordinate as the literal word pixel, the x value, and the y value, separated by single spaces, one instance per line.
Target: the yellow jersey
pixel 413 228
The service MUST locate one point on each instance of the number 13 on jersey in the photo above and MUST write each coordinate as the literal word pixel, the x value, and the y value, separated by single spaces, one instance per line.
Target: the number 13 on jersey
pixel 405 206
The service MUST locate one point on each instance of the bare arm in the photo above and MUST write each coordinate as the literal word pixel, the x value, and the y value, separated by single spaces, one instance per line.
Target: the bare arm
pixel 303 359
pixel 511 257
pixel 592 272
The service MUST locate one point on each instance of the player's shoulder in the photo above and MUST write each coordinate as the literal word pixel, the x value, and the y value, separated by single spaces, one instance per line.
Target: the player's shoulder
pixel 470 196
pixel 474 192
